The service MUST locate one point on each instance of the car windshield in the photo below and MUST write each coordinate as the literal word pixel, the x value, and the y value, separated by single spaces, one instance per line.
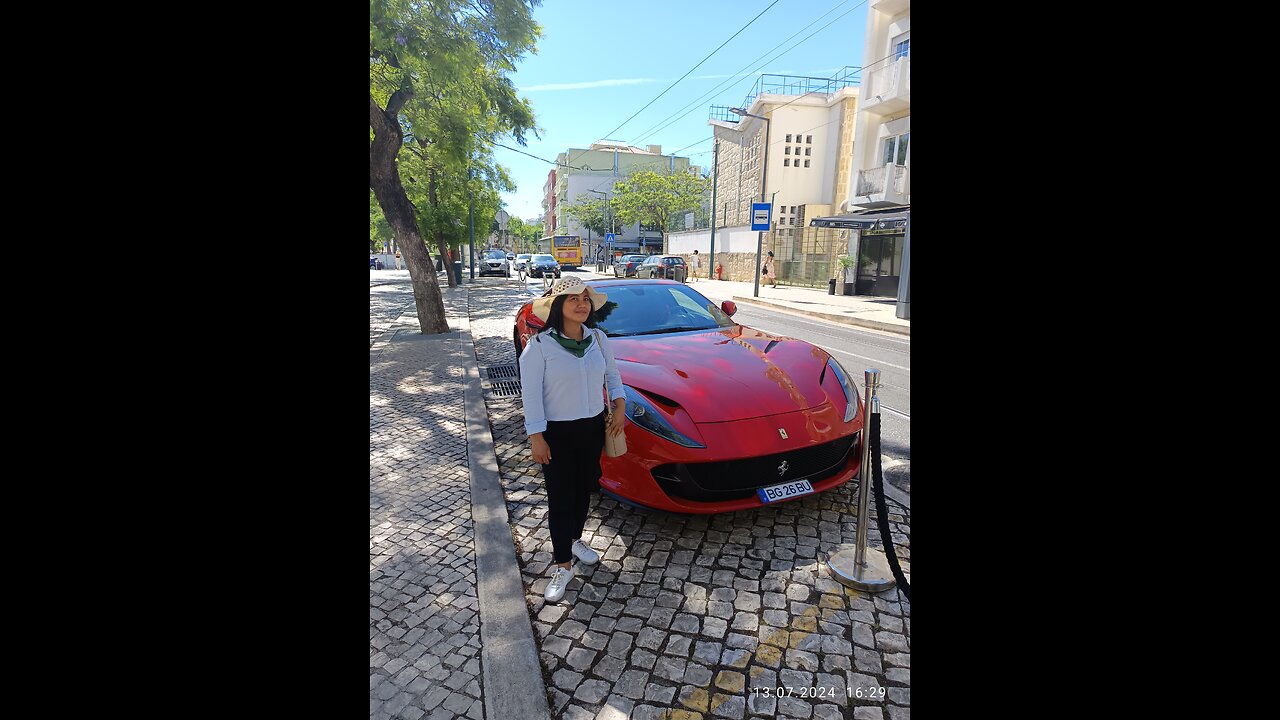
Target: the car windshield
pixel 496 255
pixel 524 256
pixel 644 309
pixel 543 258
pixel 673 261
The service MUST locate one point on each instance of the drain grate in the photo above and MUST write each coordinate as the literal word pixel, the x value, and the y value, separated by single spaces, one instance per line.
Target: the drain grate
pixel 500 381
pixel 506 388
pixel 501 371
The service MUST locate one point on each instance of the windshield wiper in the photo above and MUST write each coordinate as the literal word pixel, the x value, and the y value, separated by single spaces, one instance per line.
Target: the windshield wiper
pixel 674 329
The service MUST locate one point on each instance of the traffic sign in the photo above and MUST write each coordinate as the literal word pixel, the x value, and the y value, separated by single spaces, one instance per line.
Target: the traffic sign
pixel 608 237
pixel 760 213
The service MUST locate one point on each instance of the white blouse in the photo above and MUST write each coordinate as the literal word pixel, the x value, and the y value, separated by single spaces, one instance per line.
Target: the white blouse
pixel 559 386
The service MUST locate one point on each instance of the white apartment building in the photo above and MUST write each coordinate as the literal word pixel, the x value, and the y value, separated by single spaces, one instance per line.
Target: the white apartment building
pixel 882 152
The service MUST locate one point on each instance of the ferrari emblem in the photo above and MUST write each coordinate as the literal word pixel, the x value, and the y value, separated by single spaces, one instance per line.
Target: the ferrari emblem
pixel 782 469
pixel 783 433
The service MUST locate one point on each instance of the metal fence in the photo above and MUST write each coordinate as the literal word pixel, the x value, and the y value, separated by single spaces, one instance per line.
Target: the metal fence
pixel 807 256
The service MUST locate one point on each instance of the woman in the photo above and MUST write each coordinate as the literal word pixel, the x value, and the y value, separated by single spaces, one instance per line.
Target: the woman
pixel 562 372
pixel 770 273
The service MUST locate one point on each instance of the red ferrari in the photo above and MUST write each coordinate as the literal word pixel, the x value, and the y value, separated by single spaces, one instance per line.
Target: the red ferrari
pixel 720 417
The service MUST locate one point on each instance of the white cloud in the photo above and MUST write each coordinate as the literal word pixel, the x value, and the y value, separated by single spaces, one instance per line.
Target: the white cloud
pixel 585 85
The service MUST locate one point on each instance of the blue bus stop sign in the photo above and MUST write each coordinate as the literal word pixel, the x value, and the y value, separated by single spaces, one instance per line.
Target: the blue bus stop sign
pixel 760 213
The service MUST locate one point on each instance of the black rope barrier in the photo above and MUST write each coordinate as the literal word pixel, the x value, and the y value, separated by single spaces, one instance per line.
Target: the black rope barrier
pixel 882 513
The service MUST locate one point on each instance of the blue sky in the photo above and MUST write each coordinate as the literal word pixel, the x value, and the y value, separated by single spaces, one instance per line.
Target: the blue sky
pixel 601 61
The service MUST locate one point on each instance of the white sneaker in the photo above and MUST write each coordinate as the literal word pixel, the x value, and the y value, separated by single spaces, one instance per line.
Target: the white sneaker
pixel 584 553
pixel 559 582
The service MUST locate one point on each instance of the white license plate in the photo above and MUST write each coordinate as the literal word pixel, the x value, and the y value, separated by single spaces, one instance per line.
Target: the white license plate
pixel 785 491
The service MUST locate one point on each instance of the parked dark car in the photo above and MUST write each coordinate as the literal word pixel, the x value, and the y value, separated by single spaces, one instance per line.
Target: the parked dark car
pixel 626 265
pixel 665 267
pixel 540 264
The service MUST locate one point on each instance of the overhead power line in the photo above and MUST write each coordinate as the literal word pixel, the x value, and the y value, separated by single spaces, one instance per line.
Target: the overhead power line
pixel 695 67
pixel 663 124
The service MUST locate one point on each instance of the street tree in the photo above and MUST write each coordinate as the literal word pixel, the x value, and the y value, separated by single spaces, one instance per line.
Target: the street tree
pixel 592 213
pixel 650 197
pixel 438 80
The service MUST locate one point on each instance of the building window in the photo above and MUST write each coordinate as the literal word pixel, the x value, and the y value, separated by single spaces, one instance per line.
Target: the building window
pixel 807 150
pixel 895 149
pixel 793 209
pixel 806 163
pixel 788 137
pixel 786 162
pixel 901 46
pixel 788 150
pixel 809 139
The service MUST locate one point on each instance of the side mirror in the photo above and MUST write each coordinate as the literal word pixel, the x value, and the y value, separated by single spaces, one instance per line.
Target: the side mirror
pixel 729 307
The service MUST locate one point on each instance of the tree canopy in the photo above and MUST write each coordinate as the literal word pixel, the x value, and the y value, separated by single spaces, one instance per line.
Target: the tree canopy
pixel 439 97
pixel 650 197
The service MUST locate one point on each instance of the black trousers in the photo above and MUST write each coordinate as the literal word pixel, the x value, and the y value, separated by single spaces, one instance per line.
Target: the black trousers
pixel 574 471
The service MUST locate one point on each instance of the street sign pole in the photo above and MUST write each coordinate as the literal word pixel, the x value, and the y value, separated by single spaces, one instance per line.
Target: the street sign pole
pixel 760 213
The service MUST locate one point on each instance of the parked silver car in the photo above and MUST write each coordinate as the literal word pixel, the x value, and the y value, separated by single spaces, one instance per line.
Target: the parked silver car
pixel 495 262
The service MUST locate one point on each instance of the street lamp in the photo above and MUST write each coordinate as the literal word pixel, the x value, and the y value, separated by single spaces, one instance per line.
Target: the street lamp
pixel 763 173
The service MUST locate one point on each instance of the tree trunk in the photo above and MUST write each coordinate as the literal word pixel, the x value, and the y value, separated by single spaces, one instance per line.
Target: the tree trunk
pixel 440 245
pixel 384 179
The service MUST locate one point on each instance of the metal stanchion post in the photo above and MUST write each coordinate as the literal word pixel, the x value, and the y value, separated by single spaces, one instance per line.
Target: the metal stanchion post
pixel 863 568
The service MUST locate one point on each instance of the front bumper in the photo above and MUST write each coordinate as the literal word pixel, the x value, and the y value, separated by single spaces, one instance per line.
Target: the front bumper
pixel 740 457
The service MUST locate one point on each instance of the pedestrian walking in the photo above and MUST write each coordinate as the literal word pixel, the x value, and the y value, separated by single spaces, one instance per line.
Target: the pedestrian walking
pixel 695 262
pixel 564 370
pixel 769 271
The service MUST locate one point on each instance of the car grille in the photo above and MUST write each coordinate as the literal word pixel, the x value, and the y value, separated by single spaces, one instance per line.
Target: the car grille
pixel 737 479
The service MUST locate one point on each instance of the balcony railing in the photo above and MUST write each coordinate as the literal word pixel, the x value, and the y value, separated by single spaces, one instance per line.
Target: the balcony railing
pixel 890 85
pixel 872 181
pixel 849 76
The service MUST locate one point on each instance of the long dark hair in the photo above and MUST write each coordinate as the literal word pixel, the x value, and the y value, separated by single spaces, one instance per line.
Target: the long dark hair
pixel 555 317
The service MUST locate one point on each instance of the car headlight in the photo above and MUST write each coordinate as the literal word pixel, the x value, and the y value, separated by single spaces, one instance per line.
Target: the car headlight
pixel 850 394
pixel 643 413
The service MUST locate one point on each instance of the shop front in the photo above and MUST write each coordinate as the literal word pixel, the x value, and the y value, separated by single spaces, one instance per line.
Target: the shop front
pixel 879 244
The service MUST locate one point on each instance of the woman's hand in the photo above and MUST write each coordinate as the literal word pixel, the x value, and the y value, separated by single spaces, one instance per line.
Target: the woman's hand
pixel 541 450
pixel 617 420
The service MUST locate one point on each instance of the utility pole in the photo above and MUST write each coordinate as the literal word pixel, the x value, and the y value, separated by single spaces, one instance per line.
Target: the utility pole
pixel 764 172
pixel 715 175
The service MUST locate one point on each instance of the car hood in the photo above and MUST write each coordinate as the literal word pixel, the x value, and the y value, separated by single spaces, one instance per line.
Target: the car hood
pixel 733 373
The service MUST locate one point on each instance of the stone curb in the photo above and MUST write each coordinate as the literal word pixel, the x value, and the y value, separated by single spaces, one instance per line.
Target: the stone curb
pixel 873 324
pixel 512 673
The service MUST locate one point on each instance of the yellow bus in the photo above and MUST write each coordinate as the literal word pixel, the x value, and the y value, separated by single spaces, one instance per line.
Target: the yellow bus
pixel 566 249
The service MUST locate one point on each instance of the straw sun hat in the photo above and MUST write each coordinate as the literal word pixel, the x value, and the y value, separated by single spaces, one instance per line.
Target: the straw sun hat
pixel 567 286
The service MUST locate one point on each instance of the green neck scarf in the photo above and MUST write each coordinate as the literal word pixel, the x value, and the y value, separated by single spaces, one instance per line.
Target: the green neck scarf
pixel 577 347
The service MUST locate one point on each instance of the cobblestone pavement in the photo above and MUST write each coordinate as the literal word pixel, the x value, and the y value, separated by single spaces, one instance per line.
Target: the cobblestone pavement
pixel 424 626
pixel 386 303
pixel 692 616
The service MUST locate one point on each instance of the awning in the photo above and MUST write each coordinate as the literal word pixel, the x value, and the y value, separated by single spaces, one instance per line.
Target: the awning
pixel 875 219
